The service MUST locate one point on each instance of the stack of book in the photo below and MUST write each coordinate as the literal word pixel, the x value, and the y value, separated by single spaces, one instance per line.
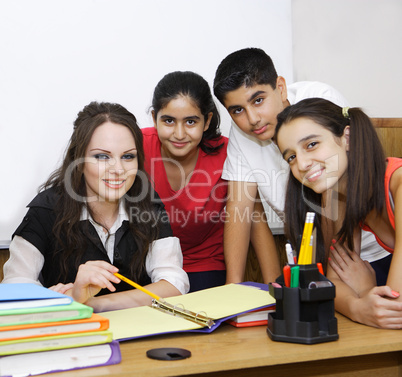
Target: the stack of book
pixel 43 331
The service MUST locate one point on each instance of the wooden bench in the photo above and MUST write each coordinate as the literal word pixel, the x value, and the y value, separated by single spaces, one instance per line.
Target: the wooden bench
pixel 4 254
pixel 390 133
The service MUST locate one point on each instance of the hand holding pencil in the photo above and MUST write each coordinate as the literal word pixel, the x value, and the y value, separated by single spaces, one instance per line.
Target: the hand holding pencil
pixel 93 276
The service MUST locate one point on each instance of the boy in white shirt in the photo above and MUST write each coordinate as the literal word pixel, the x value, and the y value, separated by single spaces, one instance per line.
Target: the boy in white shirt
pixel 247 84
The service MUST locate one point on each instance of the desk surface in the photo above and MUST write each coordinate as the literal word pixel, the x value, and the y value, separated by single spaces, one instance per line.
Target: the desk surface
pixel 230 351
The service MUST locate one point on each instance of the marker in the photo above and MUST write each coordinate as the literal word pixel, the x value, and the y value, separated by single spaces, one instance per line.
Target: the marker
pixel 286 275
pixel 289 253
pixel 294 279
pixel 320 269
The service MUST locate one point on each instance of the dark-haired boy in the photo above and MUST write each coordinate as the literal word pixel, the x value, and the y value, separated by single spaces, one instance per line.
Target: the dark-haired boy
pixel 248 86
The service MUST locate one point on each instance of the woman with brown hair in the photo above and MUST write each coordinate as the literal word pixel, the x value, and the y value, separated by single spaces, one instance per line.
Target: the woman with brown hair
pixel 94 217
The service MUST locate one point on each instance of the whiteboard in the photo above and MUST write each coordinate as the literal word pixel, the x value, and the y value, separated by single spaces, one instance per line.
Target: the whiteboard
pixel 57 56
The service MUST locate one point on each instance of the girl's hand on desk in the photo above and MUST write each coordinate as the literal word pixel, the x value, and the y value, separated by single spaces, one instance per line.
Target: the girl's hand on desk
pixel 351 269
pixel 62 288
pixel 378 308
pixel 93 276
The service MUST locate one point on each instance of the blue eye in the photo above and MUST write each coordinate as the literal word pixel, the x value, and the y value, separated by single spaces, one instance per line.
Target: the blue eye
pixel 101 156
pixel 129 156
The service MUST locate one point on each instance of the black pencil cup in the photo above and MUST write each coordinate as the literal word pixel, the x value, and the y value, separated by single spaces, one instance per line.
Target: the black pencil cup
pixel 305 314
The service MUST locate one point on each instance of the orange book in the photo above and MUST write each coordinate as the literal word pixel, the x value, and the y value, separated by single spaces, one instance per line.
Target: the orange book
pixel 93 323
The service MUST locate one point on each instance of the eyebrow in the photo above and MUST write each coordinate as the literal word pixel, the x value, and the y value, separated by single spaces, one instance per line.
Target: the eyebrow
pixel 106 151
pixel 301 141
pixel 166 116
pixel 250 99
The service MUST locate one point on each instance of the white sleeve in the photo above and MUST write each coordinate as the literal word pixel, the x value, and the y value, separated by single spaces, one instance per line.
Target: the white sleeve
pixel 25 263
pixel 165 262
pixel 308 89
pixel 236 166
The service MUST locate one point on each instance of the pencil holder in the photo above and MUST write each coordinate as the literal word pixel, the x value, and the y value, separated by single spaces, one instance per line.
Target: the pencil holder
pixel 305 314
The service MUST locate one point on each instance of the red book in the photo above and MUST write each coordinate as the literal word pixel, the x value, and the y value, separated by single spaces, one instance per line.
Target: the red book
pixel 257 317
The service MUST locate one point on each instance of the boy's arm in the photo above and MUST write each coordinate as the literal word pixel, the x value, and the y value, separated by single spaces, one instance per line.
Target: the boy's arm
pixel 264 245
pixel 236 236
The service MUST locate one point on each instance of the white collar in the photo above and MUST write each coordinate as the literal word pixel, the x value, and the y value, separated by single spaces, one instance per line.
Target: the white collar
pixel 122 216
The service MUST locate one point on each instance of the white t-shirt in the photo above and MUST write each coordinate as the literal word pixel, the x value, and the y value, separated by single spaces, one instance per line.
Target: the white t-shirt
pixel 251 160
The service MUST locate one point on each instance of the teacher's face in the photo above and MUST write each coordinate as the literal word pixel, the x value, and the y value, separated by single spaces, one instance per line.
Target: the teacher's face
pixel 110 163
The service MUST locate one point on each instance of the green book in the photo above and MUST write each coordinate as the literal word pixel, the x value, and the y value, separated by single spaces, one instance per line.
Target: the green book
pixel 55 313
pixel 55 342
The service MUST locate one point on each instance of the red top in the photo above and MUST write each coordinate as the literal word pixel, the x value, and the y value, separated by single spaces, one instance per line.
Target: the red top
pixel 393 164
pixel 196 212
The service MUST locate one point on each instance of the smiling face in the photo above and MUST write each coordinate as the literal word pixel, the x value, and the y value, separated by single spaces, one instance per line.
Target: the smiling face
pixel 254 109
pixel 180 126
pixel 110 163
pixel 316 157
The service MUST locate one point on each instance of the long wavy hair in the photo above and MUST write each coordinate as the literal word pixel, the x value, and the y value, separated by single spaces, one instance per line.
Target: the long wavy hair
pixel 365 171
pixel 190 84
pixel 69 183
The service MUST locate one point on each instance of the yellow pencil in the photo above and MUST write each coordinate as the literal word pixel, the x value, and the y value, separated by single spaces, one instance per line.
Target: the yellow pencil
pixel 135 285
pixel 305 254
pixel 304 240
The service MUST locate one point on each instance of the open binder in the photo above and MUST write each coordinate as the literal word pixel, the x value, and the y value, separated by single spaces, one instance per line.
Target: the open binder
pixel 217 304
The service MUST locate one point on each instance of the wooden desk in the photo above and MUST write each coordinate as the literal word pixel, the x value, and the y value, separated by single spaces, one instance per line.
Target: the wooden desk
pixel 360 351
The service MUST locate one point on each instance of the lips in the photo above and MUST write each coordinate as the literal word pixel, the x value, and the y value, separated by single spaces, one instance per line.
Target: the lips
pixel 313 176
pixel 114 184
pixel 260 130
pixel 178 144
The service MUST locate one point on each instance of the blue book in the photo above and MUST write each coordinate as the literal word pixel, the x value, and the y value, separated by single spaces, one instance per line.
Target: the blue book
pixel 25 295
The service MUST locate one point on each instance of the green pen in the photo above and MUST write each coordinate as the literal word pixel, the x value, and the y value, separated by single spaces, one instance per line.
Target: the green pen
pixel 294 277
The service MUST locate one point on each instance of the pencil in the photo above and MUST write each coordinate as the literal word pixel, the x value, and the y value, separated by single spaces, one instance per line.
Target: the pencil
pixel 305 254
pixel 135 285
pixel 304 240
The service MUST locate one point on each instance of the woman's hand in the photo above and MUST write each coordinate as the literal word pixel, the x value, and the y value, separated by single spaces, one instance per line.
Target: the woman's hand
pixel 351 269
pixel 61 288
pixel 91 278
pixel 376 308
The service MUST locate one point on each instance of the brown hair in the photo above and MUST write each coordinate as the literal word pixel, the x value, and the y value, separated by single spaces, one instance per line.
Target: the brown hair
pixel 366 167
pixel 69 183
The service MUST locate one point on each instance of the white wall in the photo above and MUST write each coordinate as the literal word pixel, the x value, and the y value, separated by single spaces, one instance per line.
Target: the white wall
pixel 57 56
pixel 354 45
